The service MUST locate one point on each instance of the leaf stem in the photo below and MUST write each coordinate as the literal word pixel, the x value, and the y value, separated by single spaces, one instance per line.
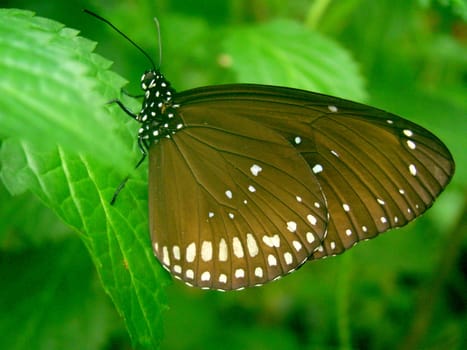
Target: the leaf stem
pixel 343 302
pixel 315 13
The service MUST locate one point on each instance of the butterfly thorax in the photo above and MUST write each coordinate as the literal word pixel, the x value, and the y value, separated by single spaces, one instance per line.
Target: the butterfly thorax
pixel 158 115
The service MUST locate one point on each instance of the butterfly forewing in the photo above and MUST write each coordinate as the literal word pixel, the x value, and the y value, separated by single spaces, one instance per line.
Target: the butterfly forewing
pixel 377 171
pixel 232 204
pixel 372 178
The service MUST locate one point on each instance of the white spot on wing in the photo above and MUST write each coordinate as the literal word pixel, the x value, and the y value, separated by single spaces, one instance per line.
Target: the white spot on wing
pixel 237 247
pixel 348 232
pixel 165 256
pixel 297 245
pixel 310 237
pixel 346 207
pixel 191 252
pixel 272 261
pixel 239 273
pixel 292 226
pixel 190 274
pixel 297 140
pixel 223 252
pixel 408 133
pixel 259 272
pixel 317 168
pixel 251 188
pixel 205 276
pixel 228 193
pixel 176 252
pixel 255 169
pixel 272 241
pixel 413 170
pixel 311 219
pixel 288 258
pixel 206 251
pixel 251 245
pixel 223 278
pixel 332 108
pixel 411 144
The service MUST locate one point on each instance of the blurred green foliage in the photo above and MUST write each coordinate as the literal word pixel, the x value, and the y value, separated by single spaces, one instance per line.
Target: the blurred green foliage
pixel 406 289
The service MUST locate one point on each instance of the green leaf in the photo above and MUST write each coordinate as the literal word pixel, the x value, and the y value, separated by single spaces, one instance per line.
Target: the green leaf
pixel 282 52
pixel 53 89
pixel 16 233
pixel 79 185
pixel 78 189
pixel 54 302
pixel 458 7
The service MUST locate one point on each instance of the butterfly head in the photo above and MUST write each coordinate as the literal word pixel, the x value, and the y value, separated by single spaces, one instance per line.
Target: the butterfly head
pixel 153 79
pixel 158 115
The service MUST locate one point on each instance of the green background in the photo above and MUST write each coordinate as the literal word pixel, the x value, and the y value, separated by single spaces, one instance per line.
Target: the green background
pixel 63 154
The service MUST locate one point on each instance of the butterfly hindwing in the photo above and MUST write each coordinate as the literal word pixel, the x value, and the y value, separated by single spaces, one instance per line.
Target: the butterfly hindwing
pixel 232 203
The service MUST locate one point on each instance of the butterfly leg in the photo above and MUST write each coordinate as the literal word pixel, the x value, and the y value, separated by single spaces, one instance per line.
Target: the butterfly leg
pixel 126 93
pixel 117 191
pixel 141 146
pixel 125 180
pixel 124 108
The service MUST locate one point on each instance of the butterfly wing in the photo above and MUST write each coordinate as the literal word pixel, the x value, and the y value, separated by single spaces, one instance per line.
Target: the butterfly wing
pixel 377 171
pixel 231 203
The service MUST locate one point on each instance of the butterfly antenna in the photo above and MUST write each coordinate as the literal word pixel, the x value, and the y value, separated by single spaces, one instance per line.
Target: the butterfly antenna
pixel 158 26
pixel 122 34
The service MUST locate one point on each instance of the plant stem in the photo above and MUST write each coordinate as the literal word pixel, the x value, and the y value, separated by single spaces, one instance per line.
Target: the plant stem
pixel 315 13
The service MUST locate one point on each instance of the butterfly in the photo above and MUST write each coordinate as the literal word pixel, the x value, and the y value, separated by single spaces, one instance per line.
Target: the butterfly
pixel 248 182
